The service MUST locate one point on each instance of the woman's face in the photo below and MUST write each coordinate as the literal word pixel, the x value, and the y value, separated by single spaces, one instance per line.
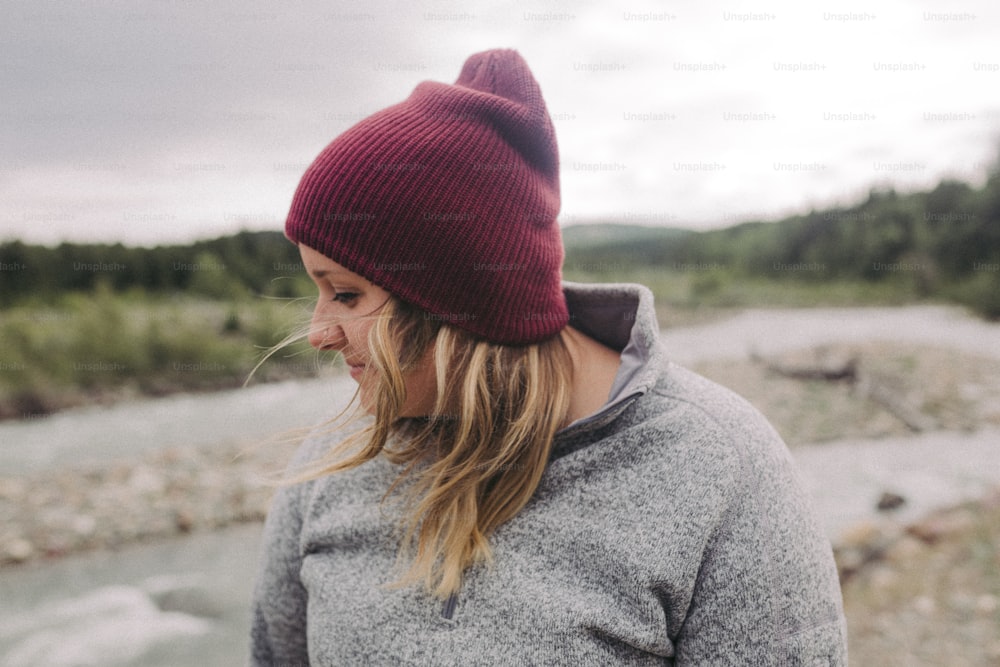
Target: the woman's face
pixel 345 312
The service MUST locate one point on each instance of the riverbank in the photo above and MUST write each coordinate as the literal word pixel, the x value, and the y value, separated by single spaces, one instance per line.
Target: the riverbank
pixel 167 492
pixel 867 492
pixel 181 487
pixel 106 348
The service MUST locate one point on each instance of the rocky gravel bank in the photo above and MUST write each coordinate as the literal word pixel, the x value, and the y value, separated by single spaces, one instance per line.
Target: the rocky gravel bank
pixel 167 492
pixel 180 490
pixel 927 593
pixel 177 490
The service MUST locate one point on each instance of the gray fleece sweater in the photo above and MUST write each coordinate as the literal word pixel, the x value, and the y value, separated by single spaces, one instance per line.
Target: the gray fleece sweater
pixel 669 528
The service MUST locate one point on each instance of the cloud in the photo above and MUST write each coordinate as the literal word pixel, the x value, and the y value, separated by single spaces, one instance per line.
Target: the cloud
pixel 206 115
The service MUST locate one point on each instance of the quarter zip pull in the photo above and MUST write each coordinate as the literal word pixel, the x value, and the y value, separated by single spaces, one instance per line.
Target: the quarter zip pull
pixel 448 609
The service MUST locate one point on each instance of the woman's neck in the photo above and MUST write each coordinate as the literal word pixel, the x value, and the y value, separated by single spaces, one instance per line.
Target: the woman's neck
pixel 594 368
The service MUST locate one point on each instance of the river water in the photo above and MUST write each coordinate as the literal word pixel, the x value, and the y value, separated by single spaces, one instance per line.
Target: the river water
pixel 185 601
pixel 769 332
pixel 94 435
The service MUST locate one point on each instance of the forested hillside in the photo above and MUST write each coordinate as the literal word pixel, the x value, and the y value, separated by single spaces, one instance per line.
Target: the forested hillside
pixel 262 263
pixel 943 243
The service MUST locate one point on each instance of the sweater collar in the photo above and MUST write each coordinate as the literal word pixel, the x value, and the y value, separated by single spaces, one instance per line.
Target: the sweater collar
pixel 621 316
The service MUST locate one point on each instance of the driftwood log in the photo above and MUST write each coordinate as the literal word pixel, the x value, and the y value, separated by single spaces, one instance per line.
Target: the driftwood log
pixel 847 368
pixel 823 366
pixel 878 392
pixel 822 369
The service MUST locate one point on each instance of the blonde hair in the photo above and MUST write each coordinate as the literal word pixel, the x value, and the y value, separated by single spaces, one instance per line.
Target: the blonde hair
pixel 476 460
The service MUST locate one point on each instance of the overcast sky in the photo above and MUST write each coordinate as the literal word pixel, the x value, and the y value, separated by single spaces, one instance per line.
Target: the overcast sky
pixel 172 120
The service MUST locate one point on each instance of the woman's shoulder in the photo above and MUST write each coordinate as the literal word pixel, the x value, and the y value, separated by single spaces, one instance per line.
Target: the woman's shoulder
pixel 693 407
pixel 719 403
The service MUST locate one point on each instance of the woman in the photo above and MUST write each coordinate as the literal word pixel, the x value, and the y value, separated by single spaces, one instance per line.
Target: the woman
pixel 537 483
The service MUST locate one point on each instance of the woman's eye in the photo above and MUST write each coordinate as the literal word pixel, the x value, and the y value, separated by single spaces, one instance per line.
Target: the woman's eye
pixel 344 297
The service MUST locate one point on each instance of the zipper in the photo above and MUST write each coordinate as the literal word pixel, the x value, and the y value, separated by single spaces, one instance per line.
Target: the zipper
pixel 448 609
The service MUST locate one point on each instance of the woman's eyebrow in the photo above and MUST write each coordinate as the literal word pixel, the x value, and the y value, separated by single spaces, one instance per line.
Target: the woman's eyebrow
pixel 323 273
pixel 320 274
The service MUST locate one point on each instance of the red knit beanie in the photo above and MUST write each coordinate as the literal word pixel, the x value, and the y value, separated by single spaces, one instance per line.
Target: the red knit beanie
pixel 449 201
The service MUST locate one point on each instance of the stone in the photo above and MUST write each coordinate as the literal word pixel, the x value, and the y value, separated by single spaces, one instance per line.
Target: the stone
pixel 84 525
pixel 19 550
pixel 904 550
pixel 939 526
pixel 146 480
pixel 184 520
pixel 185 595
pixel 859 534
pixel 889 501
pixel 882 577
pixel 860 544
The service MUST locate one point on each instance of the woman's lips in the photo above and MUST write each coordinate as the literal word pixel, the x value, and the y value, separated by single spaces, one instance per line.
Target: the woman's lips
pixel 357 372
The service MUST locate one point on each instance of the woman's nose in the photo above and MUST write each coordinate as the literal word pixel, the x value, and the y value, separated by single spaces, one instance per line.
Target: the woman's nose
pixel 324 334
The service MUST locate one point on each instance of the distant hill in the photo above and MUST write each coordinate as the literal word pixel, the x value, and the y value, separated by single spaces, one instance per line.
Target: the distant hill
pixel 611 234
pixel 608 248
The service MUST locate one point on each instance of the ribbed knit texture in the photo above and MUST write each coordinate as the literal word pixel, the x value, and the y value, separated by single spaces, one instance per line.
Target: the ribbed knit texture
pixel 449 200
pixel 668 529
